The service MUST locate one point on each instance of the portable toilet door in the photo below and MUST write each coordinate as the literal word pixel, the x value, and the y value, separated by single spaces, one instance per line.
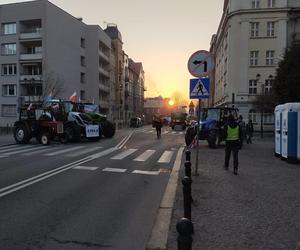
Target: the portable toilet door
pixel 284 133
pixel 278 128
pixel 290 131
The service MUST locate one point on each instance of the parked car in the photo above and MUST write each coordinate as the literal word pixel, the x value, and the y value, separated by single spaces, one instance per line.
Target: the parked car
pixel 135 122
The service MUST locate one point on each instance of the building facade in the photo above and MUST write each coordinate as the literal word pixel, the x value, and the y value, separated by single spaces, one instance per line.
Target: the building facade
pixel 46 51
pixel 250 41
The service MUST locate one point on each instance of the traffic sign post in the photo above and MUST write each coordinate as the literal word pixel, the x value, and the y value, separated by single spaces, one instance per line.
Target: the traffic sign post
pixel 201 64
pixel 199 88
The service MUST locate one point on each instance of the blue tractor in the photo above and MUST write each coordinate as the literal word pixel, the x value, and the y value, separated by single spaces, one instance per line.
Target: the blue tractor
pixel 212 125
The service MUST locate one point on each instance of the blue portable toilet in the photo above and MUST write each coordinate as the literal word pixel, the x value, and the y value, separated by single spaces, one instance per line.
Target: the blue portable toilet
pixel 290 133
pixel 278 128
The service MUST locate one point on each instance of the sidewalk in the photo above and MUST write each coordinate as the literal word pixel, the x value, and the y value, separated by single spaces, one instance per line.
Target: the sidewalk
pixel 258 209
pixel 6 139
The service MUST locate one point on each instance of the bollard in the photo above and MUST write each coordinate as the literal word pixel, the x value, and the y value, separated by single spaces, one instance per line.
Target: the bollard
pixel 188 169
pixel 7 128
pixel 187 197
pixel 188 155
pixel 185 230
pixel 188 173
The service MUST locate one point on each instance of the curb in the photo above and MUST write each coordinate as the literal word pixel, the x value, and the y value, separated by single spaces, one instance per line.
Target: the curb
pixel 159 236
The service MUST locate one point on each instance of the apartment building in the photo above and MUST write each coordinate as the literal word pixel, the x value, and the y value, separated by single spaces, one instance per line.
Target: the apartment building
pixel 45 50
pixel 251 39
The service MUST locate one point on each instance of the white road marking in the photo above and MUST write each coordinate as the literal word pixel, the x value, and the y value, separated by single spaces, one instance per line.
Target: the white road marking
pixel 26 150
pixel 86 168
pixel 115 170
pixel 166 157
pixel 10 146
pixel 30 181
pixel 81 152
pixel 124 154
pixel 124 141
pixel 174 133
pixel 173 148
pixel 144 156
pixel 146 172
pixel 3 156
pixel 16 147
pixel 64 151
pixel 165 132
pixel 40 150
pixel 180 133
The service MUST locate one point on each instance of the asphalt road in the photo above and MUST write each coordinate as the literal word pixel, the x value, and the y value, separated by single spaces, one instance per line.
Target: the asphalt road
pixel 90 195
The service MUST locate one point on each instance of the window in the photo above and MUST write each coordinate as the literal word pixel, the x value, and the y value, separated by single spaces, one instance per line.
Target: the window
pixel 82 77
pixel 9 90
pixel 270 57
pixel 82 61
pixel 9 49
pixel 253 58
pixel 268 86
pixel 271 3
pixel 9 28
pixel 254 32
pixel 82 42
pixel 34 50
pixel 255 4
pixel 252 87
pixel 252 115
pixel 9 110
pixel 82 95
pixel 9 69
pixel 270 29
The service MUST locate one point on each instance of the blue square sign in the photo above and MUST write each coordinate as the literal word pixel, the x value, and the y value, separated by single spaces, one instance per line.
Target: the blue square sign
pixel 199 88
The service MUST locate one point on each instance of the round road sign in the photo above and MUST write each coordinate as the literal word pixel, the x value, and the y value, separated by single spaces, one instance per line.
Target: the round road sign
pixel 201 63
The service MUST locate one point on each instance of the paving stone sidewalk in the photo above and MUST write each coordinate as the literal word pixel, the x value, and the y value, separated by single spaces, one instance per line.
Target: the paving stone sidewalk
pixel 258 209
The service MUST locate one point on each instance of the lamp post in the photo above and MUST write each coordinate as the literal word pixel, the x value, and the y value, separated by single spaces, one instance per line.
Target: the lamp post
pixel 261 107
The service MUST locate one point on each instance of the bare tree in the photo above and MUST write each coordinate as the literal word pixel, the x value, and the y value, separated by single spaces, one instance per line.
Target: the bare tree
pixel 52 85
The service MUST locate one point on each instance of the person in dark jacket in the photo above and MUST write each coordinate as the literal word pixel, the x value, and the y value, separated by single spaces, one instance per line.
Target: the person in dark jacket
pixel 233 135
pixel 249 132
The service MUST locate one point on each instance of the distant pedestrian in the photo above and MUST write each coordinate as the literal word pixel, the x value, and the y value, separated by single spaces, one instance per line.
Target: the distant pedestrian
pixel 243 130
pixel 233 135
pixel 249 132
pixel 157 123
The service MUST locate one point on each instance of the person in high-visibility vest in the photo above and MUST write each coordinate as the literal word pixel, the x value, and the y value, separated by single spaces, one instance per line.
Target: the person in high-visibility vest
pixel 233 135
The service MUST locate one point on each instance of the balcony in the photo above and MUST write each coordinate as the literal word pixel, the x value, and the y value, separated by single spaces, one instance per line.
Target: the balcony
pixel 104 72
pixel 37 34
pixel 36 56
pixel 103 56
pixel 104 88
pixel 30 99
pixel 30 78
pixel 104 104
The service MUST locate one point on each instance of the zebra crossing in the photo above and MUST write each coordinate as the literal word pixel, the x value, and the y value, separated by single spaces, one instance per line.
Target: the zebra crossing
pixel 135 155
pixel 164 132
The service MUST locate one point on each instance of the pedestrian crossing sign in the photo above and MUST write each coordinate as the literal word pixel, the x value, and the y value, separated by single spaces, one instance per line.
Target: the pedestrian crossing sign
pixel 199 88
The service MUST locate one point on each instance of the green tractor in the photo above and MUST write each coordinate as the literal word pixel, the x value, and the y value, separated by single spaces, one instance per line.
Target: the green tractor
pixel 108 129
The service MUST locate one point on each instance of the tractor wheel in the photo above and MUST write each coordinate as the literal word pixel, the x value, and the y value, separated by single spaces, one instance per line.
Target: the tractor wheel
pixel 21 134
pixel 44 138
pixel 71 133
pixel 212 139
pixel 108 129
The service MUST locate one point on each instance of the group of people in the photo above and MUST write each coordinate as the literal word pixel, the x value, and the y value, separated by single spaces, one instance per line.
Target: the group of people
pixel 235 133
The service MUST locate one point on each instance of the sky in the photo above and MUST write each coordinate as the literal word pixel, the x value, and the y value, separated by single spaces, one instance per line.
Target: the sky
pixel 162 34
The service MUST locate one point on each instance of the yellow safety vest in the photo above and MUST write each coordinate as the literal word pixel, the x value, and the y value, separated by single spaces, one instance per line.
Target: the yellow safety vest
pixel 232 133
